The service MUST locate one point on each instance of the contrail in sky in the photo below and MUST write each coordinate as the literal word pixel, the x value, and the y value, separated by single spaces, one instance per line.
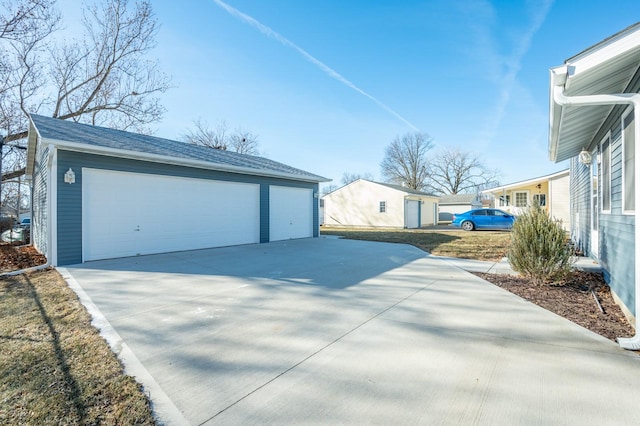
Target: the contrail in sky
pixel 333 74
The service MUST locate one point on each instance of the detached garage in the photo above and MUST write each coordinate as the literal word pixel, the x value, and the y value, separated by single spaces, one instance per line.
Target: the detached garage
pixel 100 193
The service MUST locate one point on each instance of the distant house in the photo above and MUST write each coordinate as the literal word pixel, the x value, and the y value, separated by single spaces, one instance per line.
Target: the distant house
pixel 100 193
pixel 374 204
pixel 594 122
pixel 550 191
pixel 448 205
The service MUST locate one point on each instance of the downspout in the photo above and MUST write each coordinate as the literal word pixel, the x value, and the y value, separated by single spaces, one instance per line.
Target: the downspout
pixel 631 343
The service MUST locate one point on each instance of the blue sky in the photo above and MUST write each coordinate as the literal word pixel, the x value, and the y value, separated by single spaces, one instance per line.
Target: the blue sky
pixel 326 85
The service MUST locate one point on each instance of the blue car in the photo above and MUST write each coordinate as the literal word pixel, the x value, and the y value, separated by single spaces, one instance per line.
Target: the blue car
pixel 483 219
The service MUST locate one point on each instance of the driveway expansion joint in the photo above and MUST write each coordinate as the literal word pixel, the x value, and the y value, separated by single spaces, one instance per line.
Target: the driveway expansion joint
pixel 293 367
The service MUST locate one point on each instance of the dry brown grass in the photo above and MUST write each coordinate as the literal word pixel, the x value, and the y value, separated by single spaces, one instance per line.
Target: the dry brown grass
pixel 480 245
pixel 55 368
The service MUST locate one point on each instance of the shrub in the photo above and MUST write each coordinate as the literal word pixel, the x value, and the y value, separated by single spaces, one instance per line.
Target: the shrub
pixel 539 248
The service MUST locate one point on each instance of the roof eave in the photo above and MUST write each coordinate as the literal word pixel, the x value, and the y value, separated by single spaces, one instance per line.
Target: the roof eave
pixel 156 158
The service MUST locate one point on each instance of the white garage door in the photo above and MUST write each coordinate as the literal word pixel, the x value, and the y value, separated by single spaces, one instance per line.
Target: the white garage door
pixel 413 214
pixel 290 213
pixel 126 214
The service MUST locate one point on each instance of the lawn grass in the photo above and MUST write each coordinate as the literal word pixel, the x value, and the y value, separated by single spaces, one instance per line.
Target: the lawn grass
pixel 55 368
pixel 480 245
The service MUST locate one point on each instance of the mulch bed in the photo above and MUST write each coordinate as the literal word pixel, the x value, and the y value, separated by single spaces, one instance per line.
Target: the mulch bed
pixel 13 257
pixel 573 300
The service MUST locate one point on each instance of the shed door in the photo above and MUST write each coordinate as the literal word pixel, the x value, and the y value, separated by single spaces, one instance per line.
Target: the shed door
pixel 413 214
pixel 290 213
pixel 126 214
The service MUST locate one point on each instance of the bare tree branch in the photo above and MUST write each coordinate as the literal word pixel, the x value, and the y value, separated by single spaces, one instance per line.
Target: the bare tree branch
pixel 347 178
pixel 458 172
pixel 219 137
pixel 405 161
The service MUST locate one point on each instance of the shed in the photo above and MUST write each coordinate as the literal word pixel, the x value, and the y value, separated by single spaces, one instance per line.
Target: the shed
pixel 100 193
pixel 373 204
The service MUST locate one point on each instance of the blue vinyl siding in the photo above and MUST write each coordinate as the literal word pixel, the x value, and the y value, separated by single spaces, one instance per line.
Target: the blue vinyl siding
pixel 69 226
pixel 616 230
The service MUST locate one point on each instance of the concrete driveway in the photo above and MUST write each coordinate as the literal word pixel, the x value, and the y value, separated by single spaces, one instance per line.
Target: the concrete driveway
pixel 338 331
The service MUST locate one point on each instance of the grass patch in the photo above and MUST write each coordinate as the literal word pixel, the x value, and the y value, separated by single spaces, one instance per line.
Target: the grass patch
pixel 55 368
pixel 480 245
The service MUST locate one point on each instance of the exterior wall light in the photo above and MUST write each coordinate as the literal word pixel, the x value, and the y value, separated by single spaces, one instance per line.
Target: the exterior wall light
pixel 585 157
pixel 69 176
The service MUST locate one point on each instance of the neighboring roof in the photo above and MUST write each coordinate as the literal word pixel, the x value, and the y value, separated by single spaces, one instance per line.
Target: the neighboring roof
pixel 605 68
pixel 528 182
pixel 101 140
pixel 457 199
pixel 402 189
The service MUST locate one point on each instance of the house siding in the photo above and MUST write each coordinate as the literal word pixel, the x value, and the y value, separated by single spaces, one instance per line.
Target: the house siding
pixel 39 202
pixel 558 202
pixel 69 197
pixel 616 230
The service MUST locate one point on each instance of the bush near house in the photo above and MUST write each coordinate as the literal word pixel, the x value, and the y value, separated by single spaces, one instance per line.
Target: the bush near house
pixel 539 248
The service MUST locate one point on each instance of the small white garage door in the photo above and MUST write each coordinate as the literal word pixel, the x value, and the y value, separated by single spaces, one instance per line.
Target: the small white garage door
pixel 290 213
pixel 413 214
pixel 126 214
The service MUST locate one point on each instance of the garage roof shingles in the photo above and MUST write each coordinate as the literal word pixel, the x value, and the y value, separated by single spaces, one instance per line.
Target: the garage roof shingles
pixel 101 137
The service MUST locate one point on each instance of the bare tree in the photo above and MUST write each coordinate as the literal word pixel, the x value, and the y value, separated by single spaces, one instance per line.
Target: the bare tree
pixel 457 172
pixel 405 161
pixel 219 137
pixel 202 134
pixel 104 79
pixel 347 178
pixel 244 142
pixel 327 189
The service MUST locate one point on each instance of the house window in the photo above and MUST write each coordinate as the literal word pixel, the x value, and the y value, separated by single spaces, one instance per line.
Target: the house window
pixel 321 202
pixel 521 199
pixel 540 199
pixel 505 200
pixel 383 206
pixel 606 173
pixel 628 163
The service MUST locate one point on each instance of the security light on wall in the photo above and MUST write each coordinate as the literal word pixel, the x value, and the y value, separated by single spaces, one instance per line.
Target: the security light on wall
pixel 585 157
pixel 69 176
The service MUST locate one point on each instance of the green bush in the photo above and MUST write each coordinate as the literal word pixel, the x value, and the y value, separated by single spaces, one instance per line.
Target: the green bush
pixel 539 248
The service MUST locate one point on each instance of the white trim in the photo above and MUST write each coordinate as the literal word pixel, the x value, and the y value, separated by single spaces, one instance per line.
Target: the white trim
pixel 157 158
pixel 625 114
pixel 526 182
pixel 594 216
pixel 52 196
pixel 607 137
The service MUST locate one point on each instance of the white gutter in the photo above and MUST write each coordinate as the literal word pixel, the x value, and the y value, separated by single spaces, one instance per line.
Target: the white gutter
pixel 633 99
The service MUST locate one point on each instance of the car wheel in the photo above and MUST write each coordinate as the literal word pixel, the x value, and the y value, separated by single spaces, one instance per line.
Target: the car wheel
pixel 467 226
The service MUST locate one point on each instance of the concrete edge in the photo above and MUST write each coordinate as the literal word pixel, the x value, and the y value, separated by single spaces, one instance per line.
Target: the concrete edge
pixel 163 408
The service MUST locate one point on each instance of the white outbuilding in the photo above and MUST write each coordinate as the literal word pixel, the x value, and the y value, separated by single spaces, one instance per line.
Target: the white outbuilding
pixel 373 204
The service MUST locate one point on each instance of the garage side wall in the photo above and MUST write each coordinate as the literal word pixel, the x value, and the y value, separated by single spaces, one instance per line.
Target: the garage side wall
pixel 39 202
pixel 359 204
pixel 69 196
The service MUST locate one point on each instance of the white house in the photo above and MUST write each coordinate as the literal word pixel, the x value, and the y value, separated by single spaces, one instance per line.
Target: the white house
pixel 374 204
